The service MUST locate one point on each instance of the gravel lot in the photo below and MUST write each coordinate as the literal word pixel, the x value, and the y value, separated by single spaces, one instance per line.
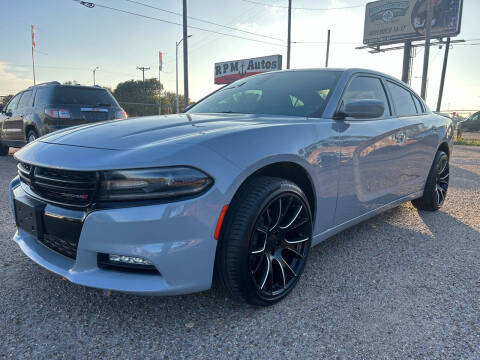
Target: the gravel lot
pixel 405 284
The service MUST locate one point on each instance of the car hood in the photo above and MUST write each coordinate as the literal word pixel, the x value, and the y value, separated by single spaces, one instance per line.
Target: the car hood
pixel 149 131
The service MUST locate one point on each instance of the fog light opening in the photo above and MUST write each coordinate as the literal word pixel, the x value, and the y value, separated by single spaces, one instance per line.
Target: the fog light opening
pixel 126 263
pixel 134 260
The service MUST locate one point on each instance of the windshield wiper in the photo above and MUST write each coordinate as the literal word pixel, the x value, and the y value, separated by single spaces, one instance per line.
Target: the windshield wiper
pixel 104 104
pixel 229 112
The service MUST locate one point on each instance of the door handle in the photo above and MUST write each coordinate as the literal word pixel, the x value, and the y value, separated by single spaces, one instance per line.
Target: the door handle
pixel 400 137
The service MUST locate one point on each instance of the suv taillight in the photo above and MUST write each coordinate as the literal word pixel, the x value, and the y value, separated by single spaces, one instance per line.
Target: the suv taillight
pixel 57 113
pixel 121 114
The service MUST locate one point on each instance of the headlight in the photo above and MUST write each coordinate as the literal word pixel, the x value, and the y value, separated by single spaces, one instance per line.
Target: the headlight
pixel 156 183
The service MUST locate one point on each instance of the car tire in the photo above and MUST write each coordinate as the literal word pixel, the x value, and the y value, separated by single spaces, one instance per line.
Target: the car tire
pixel 31 136
pixel 3 150
pixel 437 184
pixel 264 242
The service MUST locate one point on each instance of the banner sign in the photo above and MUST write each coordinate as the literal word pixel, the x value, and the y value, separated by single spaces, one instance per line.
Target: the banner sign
pixel 229 71
pixel 393 21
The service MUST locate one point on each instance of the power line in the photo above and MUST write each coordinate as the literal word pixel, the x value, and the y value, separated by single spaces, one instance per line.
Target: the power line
pixel 203 21
pixel 303 8
pixel 190 26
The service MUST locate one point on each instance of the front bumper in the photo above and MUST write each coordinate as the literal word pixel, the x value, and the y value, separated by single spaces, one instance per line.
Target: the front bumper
pixel 177 238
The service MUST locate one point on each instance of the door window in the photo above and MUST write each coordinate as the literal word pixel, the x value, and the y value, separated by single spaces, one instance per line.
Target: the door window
pixel 402 99
pixel 25 100
pixel 12 105
pixel 366 88
pixel 418 104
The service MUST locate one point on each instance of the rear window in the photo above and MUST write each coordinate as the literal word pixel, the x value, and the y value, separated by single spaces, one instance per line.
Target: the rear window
pixel 81 96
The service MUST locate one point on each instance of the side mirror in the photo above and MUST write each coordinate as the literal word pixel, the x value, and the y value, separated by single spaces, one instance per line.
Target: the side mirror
pixel 362 109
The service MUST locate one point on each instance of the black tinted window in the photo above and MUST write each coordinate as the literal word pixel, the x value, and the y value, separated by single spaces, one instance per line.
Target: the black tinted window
pixel 12 105
pixel 295 93
pixel 42 96
pixel 64 95
pixel 25 100
pixel 366 88
pixel 403 100
pixel 418 104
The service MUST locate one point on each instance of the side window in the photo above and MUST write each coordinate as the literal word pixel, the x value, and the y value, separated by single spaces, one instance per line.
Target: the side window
pixel 42 96
pixel 475 117
pixel 418 104
pixel 25 100
pixel 402 99
pixel 366 87
pixel 12 105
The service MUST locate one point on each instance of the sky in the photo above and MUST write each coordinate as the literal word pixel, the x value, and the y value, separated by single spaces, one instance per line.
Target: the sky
pixel 72 39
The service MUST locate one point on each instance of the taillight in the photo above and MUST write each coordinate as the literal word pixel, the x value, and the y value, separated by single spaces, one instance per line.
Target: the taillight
pixel 121 114
pixel 57 113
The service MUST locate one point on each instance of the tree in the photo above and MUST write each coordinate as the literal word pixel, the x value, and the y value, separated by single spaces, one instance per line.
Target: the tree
pixel 140 98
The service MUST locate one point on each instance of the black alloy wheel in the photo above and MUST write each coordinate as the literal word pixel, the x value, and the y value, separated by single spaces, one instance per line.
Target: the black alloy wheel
pixel 279 244
pixel 264 241
pixel 31 136
pixel 436 186
pixel 442 179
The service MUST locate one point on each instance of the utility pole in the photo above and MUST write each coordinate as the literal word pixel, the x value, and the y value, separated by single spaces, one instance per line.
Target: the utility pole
pixel 177 44
pixel 407 56
pixel 289 41
pixel 428 33
pixel 444 70
pixel 143 69
pixel 160 63
pixel 33 47
pixel 328 48
pixel 94 70
pixel 185 54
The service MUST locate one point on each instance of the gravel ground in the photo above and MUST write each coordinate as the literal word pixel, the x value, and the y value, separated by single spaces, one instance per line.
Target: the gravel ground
pixel 405 284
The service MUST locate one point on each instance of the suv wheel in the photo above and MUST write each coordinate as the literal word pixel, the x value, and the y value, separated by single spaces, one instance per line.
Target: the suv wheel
pixel 266 241
pixel 31 136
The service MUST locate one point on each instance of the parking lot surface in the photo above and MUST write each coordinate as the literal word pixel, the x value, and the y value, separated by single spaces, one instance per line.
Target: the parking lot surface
pixel 405 284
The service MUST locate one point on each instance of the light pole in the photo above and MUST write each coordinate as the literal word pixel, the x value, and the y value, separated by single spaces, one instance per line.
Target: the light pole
pixel 94 70
pixel 176 70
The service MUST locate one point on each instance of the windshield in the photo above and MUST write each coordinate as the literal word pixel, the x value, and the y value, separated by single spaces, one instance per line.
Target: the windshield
pixel 82 96
pixel 294 93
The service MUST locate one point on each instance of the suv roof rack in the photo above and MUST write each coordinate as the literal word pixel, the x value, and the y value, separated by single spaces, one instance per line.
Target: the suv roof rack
pixel 47 83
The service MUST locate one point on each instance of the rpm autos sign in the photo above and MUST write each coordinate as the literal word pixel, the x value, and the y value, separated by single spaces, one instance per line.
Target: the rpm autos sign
pixel 391 21
pixel 229 71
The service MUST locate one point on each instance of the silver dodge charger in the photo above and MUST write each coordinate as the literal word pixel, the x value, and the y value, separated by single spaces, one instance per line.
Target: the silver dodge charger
pixel 236 189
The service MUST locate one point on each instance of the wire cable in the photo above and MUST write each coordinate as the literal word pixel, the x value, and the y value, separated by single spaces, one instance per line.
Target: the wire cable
pixel 201 20
pixel 304 8
pixel 189 26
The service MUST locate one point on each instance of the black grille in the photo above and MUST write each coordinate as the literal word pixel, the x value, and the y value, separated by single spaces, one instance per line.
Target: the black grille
pixel 67 248
pixel 75 188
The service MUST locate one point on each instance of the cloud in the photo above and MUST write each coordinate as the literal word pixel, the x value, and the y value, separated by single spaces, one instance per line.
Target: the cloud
pixel 13 79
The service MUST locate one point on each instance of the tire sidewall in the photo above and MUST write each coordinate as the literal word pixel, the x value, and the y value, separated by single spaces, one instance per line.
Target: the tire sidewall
pixel 246 280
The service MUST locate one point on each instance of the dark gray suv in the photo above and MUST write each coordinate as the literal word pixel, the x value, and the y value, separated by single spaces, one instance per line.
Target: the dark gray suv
pixel 48 107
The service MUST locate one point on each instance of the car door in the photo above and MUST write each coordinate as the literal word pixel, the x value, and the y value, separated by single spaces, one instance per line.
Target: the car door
pixel 10 115
pixel 421 138
pixel 23 108
pixel 371 155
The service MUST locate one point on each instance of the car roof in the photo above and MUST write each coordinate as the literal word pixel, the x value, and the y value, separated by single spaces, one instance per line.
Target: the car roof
pixel 57 84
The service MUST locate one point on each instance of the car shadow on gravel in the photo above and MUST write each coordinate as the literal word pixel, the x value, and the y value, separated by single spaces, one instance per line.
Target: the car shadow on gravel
pixel 351 262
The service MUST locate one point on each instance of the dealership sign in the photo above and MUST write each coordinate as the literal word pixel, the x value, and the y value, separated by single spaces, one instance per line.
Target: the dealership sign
pixel 229 71
pixel 392 21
